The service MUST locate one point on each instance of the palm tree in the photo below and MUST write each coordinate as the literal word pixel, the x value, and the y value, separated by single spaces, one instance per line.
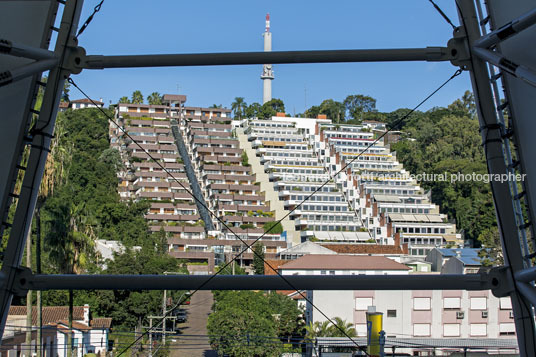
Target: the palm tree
pixel 317 329
pixel 124 99
pixel 341 328
pixel 154 98
pixel 239 107
pixel 137 97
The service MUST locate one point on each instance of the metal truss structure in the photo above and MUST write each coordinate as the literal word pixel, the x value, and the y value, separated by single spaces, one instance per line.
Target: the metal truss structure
pixel 471 49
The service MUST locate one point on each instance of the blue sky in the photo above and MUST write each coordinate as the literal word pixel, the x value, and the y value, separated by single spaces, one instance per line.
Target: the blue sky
pixel 145 27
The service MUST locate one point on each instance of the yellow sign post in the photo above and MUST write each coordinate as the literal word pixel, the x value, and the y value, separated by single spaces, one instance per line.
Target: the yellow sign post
pixel 374 326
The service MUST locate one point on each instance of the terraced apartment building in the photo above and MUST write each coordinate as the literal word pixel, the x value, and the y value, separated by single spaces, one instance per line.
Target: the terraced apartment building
pixel 362 194
pixel 195 152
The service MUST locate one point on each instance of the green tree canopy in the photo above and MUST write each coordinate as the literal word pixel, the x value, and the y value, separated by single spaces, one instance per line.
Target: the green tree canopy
pixel 258 258
pixel 124 100
pixel 253 111
pixel 358 104
pixel 154 98
pixel 247 323
pixel 271 108
pixel 137 97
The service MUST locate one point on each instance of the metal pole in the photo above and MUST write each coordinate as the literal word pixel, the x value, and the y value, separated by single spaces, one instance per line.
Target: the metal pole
pixel 259 282
pixel 26 71
pixel 164 317
pixel 241 58
pixel 526 275
pixel 508 30
pixel 150 337
pixel 28 352
pixel 20 50
pixel 517 70
pixel 493 145
pixel 36 163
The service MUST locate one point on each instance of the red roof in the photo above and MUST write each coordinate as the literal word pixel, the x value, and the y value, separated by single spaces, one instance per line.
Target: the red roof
pixel 101 323
pixel 343 262
pixel 51 314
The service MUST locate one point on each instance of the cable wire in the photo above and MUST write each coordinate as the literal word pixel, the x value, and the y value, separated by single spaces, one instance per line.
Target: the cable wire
pixel 248 246
pixel 391 127
pixel 442 14
pixel 85 25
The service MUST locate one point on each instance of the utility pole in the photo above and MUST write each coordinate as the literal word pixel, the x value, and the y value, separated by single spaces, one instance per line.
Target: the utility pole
pixel 27 350
pixel 70 332
pixel 150 337
pixel 39 303
pixel 164 318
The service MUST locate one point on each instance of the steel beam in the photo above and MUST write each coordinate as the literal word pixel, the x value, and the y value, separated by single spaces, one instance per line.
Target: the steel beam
pixel 526 275
pixel 257 282
pixel 498 60
pixel 493 147
pixel 30 69
pixel 508 30
pixel 20 50
pixel 243 58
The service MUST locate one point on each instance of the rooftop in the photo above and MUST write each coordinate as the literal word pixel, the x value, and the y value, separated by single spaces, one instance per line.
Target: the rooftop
pixel 343 262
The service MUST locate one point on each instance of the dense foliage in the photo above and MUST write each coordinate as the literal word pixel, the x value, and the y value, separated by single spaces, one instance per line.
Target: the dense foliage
pixel 247 323
pixel 84 206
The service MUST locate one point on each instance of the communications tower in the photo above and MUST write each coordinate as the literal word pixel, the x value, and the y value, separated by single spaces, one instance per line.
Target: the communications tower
pixel 267 73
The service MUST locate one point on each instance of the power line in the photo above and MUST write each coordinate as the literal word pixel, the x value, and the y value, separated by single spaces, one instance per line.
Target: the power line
pixel 71 81
pixel 392 127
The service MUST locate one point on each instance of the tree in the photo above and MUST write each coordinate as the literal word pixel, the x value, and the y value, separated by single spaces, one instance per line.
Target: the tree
pixel 154 98
pixel 333 110
pixel 247 323
pixel 137 97
pixel 491 252
pixel 271 108
pixel 465 105
pixel 312 112
pixel 239 107
pixel 216 106
pixel 253 110
pixel 124 100
pixel 245 159
pixel 358 104
pixel 258 258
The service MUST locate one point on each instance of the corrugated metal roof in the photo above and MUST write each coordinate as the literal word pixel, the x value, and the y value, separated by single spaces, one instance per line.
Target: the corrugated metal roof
pixel 423 342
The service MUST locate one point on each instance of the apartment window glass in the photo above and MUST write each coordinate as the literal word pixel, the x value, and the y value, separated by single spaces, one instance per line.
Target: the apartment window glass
pixel 363 303
pixel 391 313
pixel 451 303
pixel 451 330
pixel 505 303
pixel 421 303
pixel 421 329
pixel 478 329
pixel 479 303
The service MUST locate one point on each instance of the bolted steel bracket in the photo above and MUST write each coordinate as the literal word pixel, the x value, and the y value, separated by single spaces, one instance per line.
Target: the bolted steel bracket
pixel 458 49
pixel 501 280
pixel 21 282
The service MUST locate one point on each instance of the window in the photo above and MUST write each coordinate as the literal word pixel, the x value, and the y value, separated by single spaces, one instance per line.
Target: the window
pixel 361 330
pixel 362 304
pixel 479 303
pixel 451 303
pixel 451 330
pixel 507 329
pixel 478 330
pixel 505 303
pixel 421 329
pixel 421 303
pixel 391 313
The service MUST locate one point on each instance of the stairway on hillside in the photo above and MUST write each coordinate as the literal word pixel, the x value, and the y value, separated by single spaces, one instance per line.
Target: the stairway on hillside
pixel 194 183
